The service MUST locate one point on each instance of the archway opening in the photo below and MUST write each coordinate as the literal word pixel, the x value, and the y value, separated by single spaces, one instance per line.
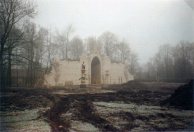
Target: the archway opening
pixel 95 71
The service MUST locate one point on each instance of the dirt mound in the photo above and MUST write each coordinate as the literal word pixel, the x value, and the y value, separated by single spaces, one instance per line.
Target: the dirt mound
pixel 182 97
pixel 134 84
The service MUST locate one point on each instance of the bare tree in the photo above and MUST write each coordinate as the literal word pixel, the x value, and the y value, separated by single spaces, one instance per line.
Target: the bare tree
pixel 68 32
pixel 172 63
pixel 11 13
pixel 76 48
pixel 63 39
pixel 165 52
pixel 40 46
pixel 51 48
pixel 30 46
pixel 109 41
pixel 60 40
pixel 133 61
pixel 183 59
pixel 14 40
pixel 151 70
pixel 124 51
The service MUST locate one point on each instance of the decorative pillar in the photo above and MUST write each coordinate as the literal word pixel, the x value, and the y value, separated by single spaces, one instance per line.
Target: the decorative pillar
pixel 95 50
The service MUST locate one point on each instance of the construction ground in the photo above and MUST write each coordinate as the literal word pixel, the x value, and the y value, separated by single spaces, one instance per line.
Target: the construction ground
pixel 133 106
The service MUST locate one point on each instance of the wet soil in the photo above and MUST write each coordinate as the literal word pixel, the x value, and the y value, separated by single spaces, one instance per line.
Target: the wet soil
pixel 132 106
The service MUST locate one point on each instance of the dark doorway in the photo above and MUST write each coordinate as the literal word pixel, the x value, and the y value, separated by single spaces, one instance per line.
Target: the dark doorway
pixel 95 71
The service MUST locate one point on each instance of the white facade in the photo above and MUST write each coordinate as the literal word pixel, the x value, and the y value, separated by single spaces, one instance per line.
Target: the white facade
pixel 99 70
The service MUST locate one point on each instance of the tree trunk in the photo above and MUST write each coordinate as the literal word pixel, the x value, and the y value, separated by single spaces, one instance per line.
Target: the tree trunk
pixel 2 77
pixel 31 73
pixel 9 79
pixel 28 74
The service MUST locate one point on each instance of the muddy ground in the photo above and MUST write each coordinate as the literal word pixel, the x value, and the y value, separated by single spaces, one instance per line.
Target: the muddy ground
pixel 134 107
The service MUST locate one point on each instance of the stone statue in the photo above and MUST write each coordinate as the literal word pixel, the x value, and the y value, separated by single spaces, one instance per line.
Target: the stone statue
pixel 83 66
pixel 83 77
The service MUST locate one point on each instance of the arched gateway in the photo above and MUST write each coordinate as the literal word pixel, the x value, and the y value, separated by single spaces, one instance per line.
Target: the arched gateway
pixel 99 69
pixel 95 71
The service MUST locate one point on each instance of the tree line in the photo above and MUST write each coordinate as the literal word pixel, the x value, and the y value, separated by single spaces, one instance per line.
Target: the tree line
pixel 26 45
pixel 170 64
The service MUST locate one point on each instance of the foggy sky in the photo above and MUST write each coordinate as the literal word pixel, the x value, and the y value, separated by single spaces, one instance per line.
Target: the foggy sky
pixel 145 24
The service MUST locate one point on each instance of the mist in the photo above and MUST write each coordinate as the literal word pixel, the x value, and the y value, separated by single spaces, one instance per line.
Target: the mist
pixel 96 65
pixel 155 38
pixel 145 25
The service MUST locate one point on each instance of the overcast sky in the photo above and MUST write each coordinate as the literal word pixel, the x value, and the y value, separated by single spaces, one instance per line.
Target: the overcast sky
pixel 144 24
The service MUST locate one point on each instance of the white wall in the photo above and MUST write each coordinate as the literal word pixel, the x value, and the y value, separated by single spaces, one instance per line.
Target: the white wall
pixel 70 71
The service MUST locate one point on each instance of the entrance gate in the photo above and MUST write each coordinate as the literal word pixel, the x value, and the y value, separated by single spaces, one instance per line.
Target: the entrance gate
pixel 95 71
